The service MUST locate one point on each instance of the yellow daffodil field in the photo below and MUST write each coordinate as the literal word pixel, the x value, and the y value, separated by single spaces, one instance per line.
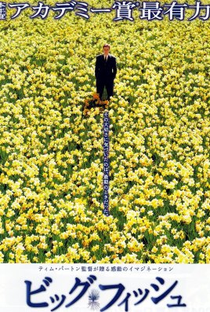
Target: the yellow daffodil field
pixel 51 154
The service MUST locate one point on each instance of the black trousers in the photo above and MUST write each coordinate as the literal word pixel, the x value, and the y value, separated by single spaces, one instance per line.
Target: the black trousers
pixel 108 83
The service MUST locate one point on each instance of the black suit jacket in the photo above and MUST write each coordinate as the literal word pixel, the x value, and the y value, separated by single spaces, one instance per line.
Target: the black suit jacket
pixel 105 70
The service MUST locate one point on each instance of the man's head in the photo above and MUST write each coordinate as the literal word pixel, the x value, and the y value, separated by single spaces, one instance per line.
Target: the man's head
pixel 106 48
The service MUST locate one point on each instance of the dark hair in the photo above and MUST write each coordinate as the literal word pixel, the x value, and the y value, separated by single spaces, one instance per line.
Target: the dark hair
pixel 106 45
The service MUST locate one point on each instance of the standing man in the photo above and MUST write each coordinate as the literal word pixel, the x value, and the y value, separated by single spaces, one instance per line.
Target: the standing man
pixel 105 71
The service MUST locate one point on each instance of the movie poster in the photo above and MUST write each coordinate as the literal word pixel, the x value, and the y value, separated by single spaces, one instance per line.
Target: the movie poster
pixel 104 156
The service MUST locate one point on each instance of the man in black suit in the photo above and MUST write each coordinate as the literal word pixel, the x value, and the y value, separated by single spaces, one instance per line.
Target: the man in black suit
pixel 105 72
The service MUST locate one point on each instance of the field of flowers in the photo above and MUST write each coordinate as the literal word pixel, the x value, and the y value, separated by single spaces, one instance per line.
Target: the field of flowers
pixel 51 155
